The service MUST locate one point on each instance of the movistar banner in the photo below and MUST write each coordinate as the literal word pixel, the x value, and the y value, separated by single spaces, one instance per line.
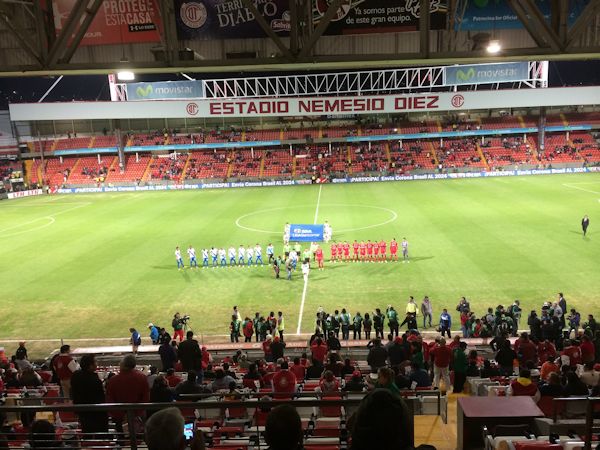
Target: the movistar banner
pixel 487 73
pixel 165 90
pixel 306 232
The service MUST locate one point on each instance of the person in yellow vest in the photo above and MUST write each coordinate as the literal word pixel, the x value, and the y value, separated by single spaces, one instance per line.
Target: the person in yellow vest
pixel 280 324
pixel 411 310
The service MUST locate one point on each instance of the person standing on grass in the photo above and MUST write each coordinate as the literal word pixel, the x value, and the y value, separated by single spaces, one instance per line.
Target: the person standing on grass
pixel 258 254
pixel 270 253
pixel 585 223
pixel 319 257
pixel 394 250
pixel 234 329
pixel 426 310
pixel 231 253
pixel 280 324
pixel 367 324
pixel 357 321
pixel 305 270
pixel 192 255
pixel 179 259
pixel 277 266
pixel 405 250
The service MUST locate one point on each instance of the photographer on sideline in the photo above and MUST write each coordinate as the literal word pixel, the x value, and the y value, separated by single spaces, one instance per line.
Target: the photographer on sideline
pixel 178 324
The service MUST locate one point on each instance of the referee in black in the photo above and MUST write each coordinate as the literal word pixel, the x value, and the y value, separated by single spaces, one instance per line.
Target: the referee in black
pixel 585 223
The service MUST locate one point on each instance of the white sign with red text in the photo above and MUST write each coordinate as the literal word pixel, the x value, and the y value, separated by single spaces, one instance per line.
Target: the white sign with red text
pixel 309 106
pixel 21 194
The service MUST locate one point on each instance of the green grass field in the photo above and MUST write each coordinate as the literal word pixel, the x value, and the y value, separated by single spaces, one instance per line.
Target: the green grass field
pixel 93 265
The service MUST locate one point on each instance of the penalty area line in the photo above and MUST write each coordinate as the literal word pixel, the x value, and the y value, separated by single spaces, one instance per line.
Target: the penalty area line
pixel 304 289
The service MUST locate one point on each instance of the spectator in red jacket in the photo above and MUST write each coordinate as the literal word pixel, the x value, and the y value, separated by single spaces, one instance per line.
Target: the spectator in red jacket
pixel 319 350
pixel 172 379
pixel 65 366
pixel 573 352
pixel 284 381
pixel 523 386
pixel 588 350
pixel 548 368
pixel 526 350
pixel 129 386
pixel 298 369
pixel 442 355
pixel 546 349
pixel 266 346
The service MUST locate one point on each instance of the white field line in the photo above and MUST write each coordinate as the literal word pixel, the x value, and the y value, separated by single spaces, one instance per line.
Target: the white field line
pixel 304 289
pixel 571 186
pixel 49 217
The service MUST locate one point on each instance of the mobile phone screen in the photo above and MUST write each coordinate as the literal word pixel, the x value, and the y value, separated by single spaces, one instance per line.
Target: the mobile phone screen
pixel 188 431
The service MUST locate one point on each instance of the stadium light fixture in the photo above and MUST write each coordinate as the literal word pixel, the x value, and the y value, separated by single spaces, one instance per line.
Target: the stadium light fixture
pixel 494 47
pixel 125 75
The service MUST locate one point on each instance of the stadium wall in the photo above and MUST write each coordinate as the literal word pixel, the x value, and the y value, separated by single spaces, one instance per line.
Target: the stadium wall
pixel 371 179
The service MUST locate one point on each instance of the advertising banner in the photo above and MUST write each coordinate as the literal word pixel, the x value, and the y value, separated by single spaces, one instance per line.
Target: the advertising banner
pixel 379 16
pixel 487 73
pixel 164 90
pixel 306 232
pixel 374 179
pixel 20 194
pixel 117 21
pixel 227 19
pixel 497 14
pixel 310 106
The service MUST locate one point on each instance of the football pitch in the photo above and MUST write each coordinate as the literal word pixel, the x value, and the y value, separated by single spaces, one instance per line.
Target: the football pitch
pixel 91 266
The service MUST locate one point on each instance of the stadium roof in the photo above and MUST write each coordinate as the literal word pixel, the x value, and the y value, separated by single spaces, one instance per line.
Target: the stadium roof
pixel 169 36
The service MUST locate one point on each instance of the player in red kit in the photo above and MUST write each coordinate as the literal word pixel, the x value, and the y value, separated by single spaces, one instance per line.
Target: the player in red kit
pixel 363 250
pixel 369 250
pixel 355 250
pixel 346 251
pixel 319 257
pixel 382 250
pixel 375 250
pixel 333 251
pixel 394 250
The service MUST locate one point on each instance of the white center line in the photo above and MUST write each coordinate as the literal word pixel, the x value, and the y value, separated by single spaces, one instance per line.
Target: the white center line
pixel 306 282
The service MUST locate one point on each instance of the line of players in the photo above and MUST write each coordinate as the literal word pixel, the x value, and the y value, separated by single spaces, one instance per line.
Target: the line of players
pixel 219 257
pixel 368 251
pixel 249 256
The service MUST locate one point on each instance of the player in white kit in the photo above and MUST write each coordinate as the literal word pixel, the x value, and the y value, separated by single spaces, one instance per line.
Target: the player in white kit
pixel 179 259
pixel 192 254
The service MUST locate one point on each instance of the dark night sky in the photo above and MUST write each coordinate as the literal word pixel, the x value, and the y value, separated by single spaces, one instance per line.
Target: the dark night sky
pixel 95 87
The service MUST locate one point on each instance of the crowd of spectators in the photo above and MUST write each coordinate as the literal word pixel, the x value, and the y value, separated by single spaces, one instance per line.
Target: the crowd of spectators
pixel 558 357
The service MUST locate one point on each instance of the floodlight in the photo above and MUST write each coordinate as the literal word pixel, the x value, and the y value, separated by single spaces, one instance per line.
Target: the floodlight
pixel 494 47
pixel 125 75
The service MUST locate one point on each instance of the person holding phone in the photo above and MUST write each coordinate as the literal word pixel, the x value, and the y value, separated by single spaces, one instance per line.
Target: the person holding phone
pixel 166 430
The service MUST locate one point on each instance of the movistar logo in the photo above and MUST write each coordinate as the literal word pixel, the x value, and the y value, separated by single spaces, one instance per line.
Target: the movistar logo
pixel 144 92
pixel 465 76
